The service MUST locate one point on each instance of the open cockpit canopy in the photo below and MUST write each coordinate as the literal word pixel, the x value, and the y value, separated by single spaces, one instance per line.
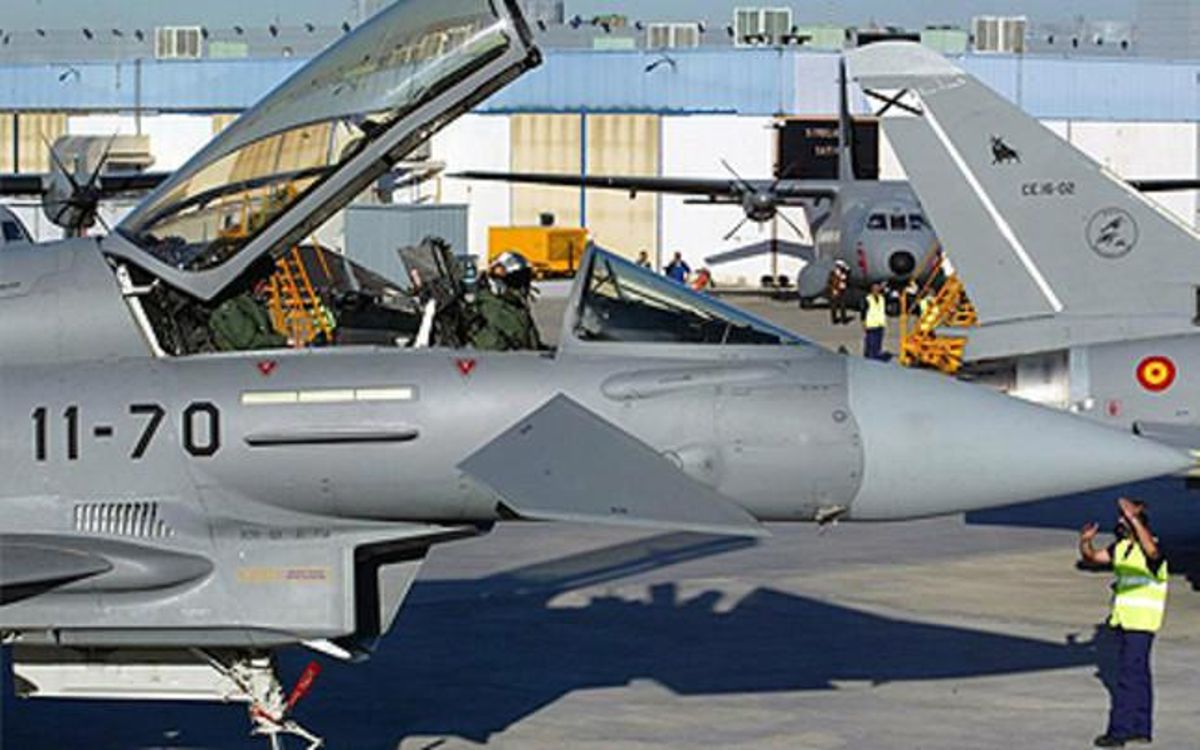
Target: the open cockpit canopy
pixel 617 301
pixel 299 156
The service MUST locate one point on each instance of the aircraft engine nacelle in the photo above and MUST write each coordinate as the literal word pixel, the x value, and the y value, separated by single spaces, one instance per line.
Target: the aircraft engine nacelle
pixel 67 205
pixel 760 207
pixel 902 262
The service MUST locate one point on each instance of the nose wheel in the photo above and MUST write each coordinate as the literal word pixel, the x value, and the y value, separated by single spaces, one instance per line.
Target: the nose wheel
pixel 256 683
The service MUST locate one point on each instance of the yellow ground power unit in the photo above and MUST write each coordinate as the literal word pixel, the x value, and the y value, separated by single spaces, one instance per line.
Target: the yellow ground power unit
pixel 551 251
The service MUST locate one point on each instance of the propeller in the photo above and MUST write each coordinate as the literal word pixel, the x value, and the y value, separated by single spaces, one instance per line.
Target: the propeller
pixel 736 228
pixel 786 220
pixel 759 205
pixel 740 180
pixel 75 206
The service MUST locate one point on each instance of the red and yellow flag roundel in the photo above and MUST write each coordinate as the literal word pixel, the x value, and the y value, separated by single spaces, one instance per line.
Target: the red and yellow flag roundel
pixel 1156 374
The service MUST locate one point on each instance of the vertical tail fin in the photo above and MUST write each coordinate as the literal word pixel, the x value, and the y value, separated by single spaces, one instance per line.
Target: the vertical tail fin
pixel 1035 227
pixel 845 128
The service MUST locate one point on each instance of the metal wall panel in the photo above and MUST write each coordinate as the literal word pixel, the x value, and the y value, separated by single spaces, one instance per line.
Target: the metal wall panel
pixel 34 132
pixel 194 86
pixel 480 142
pixel 653 81
pixel 1135 150
pixel 546 143
pixel 629 145
pixel 734 81
pixel 375 233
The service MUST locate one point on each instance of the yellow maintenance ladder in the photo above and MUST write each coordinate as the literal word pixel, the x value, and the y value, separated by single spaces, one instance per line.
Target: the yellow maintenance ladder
pixel 296 308
pixel 946 306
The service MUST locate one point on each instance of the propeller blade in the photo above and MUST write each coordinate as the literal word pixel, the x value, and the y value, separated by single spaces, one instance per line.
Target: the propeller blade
pixel 95 178
pixel 103 223
pixel 786 220
pixel 740 180
pixel 737 227
pixel 58 162
pixel 783 173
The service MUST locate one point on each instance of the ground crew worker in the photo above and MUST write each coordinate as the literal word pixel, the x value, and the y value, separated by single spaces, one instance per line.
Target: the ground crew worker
pixel 241 323
pixel 503 317
pixel 839 282
pixel 874 318
pixel 929 311
pixel 678 269
pixel 1138 604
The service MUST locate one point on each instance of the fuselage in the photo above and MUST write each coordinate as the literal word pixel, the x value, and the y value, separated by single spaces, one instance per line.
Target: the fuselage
pixel 376 434
pixel 198 478
pixel 880 231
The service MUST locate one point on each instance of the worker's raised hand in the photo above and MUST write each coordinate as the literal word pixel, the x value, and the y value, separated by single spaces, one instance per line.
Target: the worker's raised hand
pixel 1128 508
pixel 1089 532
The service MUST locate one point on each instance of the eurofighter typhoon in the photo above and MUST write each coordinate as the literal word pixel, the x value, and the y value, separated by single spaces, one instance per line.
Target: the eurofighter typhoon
pixel 176 509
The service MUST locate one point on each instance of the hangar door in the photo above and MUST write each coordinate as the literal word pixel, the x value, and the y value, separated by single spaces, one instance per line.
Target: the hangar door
pixel 23 139
pixel 608 145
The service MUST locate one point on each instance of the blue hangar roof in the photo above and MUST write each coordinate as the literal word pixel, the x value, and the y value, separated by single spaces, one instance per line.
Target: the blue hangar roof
pixel 747 82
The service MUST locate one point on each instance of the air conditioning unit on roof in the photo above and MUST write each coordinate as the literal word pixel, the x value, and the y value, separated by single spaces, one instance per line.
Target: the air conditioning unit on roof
pixel 178 43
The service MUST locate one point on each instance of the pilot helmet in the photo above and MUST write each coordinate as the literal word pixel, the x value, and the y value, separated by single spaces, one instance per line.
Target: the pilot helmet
pixel 511 270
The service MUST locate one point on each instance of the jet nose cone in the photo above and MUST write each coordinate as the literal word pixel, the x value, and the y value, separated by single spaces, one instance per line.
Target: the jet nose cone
pixel 932 445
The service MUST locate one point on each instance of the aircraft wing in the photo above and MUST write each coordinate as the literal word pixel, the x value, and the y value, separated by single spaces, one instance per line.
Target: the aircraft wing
pixel 577 466
pixel 22 184
pixel 28 569
pixel 715 189
pixel 1165 185
pixel 109 185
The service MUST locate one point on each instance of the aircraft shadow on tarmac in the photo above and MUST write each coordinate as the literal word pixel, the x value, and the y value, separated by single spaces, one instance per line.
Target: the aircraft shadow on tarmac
pixel 471 658
pixel 1174 514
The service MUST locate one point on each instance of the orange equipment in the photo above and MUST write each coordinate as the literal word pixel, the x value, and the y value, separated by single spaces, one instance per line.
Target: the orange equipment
pixel 551 251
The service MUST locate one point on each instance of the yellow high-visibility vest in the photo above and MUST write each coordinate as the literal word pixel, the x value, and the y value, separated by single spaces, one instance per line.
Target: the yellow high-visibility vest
pixel 1139 595
pixel 876 311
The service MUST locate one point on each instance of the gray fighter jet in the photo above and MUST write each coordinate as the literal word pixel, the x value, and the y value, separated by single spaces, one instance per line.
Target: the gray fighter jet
pixel 1088 292
pixel 173 514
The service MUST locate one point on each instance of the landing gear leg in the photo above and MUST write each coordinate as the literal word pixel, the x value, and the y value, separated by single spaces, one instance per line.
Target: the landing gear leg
pixel 253 674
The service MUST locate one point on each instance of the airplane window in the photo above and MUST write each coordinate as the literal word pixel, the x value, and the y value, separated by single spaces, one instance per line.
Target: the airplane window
pixel 13 232
pixel 916 222
pixel 623 302
pixel 877 221
pixel 899 222
pixel 278 152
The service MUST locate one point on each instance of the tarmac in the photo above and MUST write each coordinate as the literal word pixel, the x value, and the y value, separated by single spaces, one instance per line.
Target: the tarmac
pixel 946 634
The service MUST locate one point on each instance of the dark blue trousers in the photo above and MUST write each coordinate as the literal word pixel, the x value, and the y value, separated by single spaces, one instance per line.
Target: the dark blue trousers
pixel 873 343
pixel 1133 697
